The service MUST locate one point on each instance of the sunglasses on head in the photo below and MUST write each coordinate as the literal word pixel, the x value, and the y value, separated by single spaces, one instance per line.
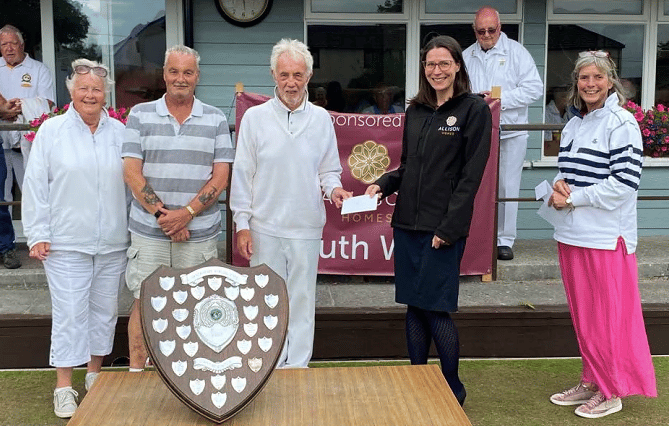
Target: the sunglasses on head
pixel 85 69
pixel 595 53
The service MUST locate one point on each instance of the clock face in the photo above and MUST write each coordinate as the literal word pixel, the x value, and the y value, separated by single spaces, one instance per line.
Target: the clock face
pixel 244 12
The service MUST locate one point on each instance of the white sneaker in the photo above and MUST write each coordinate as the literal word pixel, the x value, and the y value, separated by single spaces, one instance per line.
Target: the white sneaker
pixel 90 378
pixel 599 406
pixel 65 402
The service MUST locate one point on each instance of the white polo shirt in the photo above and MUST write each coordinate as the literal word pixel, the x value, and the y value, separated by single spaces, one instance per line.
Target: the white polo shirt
pixel 29 79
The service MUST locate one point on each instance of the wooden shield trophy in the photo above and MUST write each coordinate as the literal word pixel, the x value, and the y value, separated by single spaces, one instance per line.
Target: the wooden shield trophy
pixel 214 332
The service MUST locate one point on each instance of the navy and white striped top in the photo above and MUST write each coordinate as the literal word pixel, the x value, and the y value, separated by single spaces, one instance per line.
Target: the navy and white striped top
pixel 178 162
pixel 600 158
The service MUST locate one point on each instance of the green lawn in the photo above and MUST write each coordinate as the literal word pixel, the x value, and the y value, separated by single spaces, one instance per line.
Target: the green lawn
pixel 500 393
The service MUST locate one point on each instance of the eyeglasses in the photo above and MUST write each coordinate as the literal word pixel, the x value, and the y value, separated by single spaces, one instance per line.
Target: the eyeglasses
pixel 85 69
pixel 595 53
pixel 443 65
pixel 484 31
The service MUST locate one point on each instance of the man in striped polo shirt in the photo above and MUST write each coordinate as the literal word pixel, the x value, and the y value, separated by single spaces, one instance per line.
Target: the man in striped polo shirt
pixel 176 155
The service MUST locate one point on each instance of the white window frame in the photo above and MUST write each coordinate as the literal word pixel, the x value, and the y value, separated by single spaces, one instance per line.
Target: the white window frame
pixel 174 34
pixel 653 14
pixel 413 16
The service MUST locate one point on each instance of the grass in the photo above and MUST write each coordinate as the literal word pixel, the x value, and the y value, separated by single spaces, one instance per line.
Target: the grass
pixel 500 393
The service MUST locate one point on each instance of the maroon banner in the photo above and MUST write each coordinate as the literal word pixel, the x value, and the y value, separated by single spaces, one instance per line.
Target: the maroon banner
pixel 362 243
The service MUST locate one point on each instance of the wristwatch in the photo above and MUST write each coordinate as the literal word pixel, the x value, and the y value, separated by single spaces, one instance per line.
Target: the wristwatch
pixel 568 202
pixel 157 214
pixel 190 210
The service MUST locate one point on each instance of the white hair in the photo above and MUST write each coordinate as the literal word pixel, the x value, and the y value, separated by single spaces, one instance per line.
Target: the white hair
pixel 107 81
pixel 183 50
pixel 296 49
pixel 11 29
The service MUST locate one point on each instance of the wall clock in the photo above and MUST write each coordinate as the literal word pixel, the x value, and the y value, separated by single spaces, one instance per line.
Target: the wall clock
pixel 244 13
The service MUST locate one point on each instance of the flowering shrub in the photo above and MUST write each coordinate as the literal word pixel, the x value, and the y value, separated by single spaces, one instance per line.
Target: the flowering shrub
pixel 654 125
pixel 121 115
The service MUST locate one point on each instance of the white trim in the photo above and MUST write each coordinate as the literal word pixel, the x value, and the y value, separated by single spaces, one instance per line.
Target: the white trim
pixel 551 162
pixel 412 68
pixel 174 23
pixel 661 17
pixel 48 39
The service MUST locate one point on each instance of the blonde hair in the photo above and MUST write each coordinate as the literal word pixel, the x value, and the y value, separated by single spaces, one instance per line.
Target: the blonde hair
pixel 604 64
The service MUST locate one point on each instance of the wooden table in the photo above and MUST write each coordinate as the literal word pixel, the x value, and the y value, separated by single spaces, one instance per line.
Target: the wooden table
pixel 392 395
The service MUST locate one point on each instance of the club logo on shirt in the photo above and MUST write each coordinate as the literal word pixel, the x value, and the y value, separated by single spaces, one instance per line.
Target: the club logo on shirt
pixel 502 62
pixel 450 128
pixel 25 80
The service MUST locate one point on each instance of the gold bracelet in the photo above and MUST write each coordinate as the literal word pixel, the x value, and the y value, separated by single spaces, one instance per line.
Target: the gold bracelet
pixel 190 210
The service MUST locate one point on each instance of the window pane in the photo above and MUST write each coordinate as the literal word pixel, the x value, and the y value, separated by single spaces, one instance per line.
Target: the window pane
pixel 360 67
pixel 463 33
pixel 612 7
pixel 666 7
pixel 126 35
pixel 662 66
pixel 357 6
pixel 469 6
pixel 623 42
pixel 27 19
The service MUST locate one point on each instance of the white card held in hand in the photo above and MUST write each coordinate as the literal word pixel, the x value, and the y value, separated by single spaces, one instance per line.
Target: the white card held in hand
pixel 361 203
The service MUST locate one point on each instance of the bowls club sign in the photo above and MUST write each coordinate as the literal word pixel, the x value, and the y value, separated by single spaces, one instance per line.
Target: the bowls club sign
pixel 214 332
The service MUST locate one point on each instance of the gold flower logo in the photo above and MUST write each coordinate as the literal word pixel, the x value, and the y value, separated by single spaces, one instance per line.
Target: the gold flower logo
pixel 368 161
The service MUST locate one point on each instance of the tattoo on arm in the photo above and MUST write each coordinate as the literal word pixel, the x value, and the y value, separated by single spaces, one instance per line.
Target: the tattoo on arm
pixel 149 195
pixel 206 197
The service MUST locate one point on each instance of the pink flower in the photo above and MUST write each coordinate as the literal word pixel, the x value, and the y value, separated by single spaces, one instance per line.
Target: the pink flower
pixel 664 147
pixel 30 136
pixel 638 116
pixel 66 107
pixel 661 108
pixel 645 132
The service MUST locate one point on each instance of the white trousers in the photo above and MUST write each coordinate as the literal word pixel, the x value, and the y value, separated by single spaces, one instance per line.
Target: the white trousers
pixel 84 304
pixel 296 261
pixel 15 165
pixel 511 157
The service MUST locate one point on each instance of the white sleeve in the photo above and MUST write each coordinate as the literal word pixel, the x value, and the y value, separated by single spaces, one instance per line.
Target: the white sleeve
pixel 529 87
pixel 45 84
pixel 329 171
pixel 625 168
pixel 35 210
pixel 243 170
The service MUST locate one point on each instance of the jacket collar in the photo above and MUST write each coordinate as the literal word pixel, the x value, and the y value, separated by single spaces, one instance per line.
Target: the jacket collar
pixel 500 48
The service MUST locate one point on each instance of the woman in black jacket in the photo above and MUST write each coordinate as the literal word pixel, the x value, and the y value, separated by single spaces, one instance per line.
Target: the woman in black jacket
pixel 445 148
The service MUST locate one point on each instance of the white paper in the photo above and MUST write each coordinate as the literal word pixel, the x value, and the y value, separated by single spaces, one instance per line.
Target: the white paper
pixel 361 203
pixel 555 217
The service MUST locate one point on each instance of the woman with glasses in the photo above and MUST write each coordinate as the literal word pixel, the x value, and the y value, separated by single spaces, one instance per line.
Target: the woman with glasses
pixel 445 148
pixel 74 213
pixel 599 168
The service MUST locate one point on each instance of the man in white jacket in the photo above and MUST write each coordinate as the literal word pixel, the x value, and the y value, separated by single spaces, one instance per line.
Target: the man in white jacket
pixel 286 159
pixel 27 83
pixel 496 60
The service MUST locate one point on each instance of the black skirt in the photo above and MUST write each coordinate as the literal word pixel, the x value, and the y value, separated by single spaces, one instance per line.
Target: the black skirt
pixel 425 277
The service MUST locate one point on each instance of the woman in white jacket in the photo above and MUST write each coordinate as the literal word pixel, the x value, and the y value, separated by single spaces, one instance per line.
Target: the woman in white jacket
pixel 599 172
pixel 74 213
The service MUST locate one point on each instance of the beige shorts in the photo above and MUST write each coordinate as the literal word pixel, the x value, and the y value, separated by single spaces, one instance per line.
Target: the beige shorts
pixel 146 255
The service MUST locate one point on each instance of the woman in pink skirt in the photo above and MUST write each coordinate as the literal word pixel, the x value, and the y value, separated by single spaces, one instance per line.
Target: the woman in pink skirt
pixel 596 187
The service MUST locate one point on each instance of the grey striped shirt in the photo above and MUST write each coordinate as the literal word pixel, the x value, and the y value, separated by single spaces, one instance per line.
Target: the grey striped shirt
pixel 178 162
